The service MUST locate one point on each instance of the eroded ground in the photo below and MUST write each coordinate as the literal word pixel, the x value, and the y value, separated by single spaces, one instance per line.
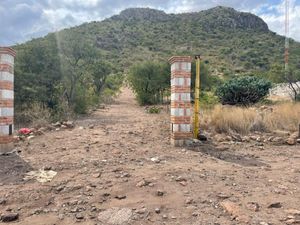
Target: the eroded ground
pixel 123 171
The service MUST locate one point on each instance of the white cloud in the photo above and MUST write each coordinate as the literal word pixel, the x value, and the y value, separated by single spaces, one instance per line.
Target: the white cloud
pixel 276 19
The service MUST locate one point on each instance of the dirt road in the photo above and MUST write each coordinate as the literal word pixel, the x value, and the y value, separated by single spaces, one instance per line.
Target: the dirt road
pixel 117 167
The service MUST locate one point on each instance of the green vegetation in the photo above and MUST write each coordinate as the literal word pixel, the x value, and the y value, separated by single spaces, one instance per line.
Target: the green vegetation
pixel 74 69
pixel 244 90
pixel 150 81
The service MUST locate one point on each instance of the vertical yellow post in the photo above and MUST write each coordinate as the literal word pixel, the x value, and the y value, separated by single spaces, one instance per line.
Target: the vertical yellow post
pixel 197 96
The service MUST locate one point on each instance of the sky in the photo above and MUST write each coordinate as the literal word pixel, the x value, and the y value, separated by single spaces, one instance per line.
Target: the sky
pixel 22 20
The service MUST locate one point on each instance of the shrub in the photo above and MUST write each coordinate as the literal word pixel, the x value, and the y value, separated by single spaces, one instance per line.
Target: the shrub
pixel 244 91
pixel 149 81
pixel 153 110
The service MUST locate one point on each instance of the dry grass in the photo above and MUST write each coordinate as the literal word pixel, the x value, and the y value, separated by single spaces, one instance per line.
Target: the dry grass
pixel 36 115
pixel 227 119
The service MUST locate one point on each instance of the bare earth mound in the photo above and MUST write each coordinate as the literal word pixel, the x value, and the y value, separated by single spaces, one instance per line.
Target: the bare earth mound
pixel 122 170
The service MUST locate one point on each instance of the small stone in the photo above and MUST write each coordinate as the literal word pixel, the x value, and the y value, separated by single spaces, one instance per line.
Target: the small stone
pixel 165 216
pixel 10 217
pixel 195 214
pixel 143 183
pixel 254 206
pixel 79 216
pixel 202 137
pixel 223 196
pixel 160 193
pixel 120 197
pixel 275 205
pixel 47 167
pixel 155 160
pixel 263 223
pixel 189 201
pixel 291 141
pixel 180 178
pixel 141 211
pixel 157 210
pixel 2 201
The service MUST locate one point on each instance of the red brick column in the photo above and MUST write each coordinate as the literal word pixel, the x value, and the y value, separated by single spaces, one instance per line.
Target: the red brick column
pixel 7 56
pixel 180 100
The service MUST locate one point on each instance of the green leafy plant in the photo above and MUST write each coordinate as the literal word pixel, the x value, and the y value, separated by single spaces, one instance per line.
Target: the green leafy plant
pixel 244 91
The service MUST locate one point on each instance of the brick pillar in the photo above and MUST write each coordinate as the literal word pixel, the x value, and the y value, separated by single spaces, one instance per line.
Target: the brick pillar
pixel 7 56
pixel 180 100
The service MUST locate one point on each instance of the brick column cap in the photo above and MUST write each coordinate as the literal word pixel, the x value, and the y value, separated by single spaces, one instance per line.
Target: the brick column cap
pixel 174 59
pixel 7 50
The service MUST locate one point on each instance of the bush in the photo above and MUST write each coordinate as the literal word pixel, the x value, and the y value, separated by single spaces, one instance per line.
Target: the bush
pixel 150 81
pixel 244 91
pixel 153 110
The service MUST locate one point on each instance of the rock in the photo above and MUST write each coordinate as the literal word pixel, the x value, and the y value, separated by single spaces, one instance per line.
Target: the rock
pixel 237 137
pixel 160 193
pixel 120 197
pixel 69 124
pixel 92 126
pixel 293 211
pixel 222 196
pixel 155 160
pixel 263 223
pixel 254 206
pixel 115 216
pixel 79 216
pixel 278 140
pixel 9 217
pixel 2 201
pixel 180 178
pixel 220 137
pixel 189 201
pixel 291 141
pixel 143 183
pixel 275 205
pixel 202 137
pixel 47 167
pixel 165 216
pixel 222 148
pixel 234 210
pixel 298 140
pixel 157 210
pixel 141 211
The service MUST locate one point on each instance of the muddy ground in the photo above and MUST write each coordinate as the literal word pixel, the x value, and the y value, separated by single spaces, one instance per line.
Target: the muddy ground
pixel 117 167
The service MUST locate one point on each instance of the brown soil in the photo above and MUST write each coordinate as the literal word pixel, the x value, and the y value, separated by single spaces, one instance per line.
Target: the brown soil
pixel 199 185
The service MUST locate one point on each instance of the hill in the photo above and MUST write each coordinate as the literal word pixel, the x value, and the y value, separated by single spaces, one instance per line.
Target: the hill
pixel 228 39
pixel 231 42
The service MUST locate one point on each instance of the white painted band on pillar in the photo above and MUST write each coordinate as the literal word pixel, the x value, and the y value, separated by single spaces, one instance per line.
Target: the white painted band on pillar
pixel 4 130
pixel 6 59
pixel 6 94
pixel 6 76
pixel 6 111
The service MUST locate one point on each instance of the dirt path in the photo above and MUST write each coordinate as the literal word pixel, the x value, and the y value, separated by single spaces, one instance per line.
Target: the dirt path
pixel 123 171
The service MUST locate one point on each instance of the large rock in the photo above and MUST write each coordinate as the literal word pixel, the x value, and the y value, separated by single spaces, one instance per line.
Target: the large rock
pixel 115 216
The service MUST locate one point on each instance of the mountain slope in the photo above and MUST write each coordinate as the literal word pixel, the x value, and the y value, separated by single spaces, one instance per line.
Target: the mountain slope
pixel 229 40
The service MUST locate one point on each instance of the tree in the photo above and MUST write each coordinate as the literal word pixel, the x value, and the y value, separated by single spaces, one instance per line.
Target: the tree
pixel 244 91
pixel 149 80
pixel 277 74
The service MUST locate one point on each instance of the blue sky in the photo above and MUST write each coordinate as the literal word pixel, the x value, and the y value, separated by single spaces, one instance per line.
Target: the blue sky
pixel 22 20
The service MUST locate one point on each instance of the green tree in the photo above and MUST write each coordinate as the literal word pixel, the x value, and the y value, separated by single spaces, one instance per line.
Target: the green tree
pixel 149 80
